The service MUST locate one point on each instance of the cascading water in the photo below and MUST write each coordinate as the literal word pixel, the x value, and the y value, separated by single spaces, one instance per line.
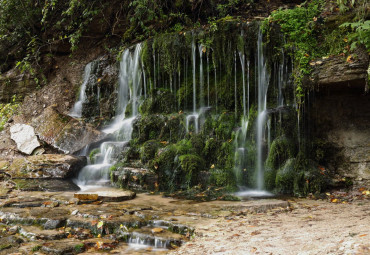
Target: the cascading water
pixel 130 87
pixel 76 111
pixel 263 83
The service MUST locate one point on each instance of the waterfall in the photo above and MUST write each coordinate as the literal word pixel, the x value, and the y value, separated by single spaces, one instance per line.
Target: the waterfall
pixel 201 78
pixel 263 82
pixel 131 80
pixel 194 82
pixel 77 108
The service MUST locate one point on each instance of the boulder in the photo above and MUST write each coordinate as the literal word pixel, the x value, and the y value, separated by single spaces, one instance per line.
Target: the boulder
pixel 46 166
pixel 25 138
pixel 64 132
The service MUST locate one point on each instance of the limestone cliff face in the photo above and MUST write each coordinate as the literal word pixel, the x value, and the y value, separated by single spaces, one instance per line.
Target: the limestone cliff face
pixel 340 115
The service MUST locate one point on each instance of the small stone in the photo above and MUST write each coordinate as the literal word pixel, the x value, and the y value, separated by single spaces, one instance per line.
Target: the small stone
pixel 74 212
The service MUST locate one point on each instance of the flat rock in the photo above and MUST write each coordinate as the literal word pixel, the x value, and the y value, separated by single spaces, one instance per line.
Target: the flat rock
pixel 64 132
pixel 36 233
pixel 46 166
pixel 59 247
pixel 25 138
pixel 106 195
pixel 52 185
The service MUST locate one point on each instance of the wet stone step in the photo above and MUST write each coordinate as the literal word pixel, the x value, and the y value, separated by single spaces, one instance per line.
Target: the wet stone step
pixel 106 195
pixel 154 237
pixel 35 233
pixel 61 247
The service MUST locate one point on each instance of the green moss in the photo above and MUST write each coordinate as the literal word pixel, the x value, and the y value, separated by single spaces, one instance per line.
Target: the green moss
pixel 148 127
pixel 166 166
pixel 191 165
pixel 36 248
pixel 92 155
pixel 225 125
pixel 5 246
pixel 79 247
pixel 6 111
pixel 222 178
pixel 160 101
pixel 148 150
pixel 300 177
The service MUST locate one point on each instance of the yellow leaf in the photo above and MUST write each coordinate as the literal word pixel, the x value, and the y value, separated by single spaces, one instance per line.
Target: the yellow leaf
pixel 334 200
pixel 349 59
pixel 99 80
pixel 213 166
pixel 366 192
pixel 100 224
pixel 99 235
pixel 345 40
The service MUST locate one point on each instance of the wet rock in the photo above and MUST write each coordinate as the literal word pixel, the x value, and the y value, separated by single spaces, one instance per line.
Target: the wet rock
pixel 14 83
pixel 64 132
pixel 52 185
pixel 25 138
pixel 101 243
pixel 134 178
pixel 46 166
pixel 34 233
pixel 68 246
pixel 107 196
pixel 336 72
pixel 53 224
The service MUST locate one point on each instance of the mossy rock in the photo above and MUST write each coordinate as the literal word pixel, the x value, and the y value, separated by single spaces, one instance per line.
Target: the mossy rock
pixel 197 141
pixel 222 178
pixel 92 155
pixel 166 166
pixel 225 125
pixel 148 150
pixel 184 147
pixel 210 149
pixel 284 181
pixel 161 101
pixel 173 129
pixel 191 165
pixel 300 177
pixel 148 127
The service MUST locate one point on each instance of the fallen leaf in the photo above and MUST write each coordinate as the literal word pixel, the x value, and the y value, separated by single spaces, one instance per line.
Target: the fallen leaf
pixel 100 224
pixel 255 233
pixel 362 235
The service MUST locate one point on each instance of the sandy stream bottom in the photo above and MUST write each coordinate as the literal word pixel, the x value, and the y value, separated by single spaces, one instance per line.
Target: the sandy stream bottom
pixel 312 227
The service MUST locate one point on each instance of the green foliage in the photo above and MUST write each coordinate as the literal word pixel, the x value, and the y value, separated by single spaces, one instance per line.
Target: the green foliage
pixel 360 33
pixel 301 28
pixel 79 247
pixel 36 248
pixel 191 165
pixel 6 111
pixel 148 150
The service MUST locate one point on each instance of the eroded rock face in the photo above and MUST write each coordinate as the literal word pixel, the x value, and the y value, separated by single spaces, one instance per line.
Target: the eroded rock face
pixel 64 132
pixel 338 71
pixel 46 166
pixel 13 83
pixel 25 138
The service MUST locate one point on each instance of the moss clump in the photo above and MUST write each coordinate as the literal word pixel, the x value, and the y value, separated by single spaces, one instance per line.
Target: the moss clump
pixel 300 178
pixel 209 151
pixel 148 150
pixel 225 125
pixel 167 167
pixel 148 127
pixel 191 165
pixel 6 111
pixel 161 101
pixel 280 151
pixel 285 177
pixel 222 178
pixel 92 155
pixel 79 247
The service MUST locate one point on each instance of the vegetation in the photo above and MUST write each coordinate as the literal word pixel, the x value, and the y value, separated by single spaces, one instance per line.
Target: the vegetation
pixel 6 111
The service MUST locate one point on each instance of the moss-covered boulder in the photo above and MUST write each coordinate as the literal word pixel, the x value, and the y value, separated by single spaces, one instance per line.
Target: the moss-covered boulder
pixel 191 165
pixel 148 127
pixel 225 125
pixel 167 167
pixel 148 150
pixel 281 150
pixel 160 101
pixel 300 177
